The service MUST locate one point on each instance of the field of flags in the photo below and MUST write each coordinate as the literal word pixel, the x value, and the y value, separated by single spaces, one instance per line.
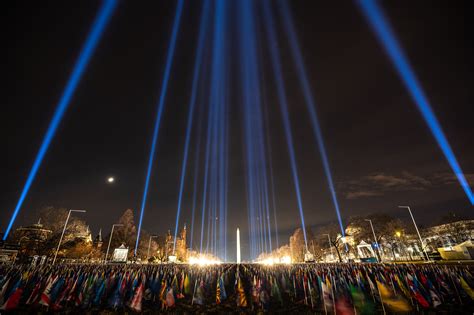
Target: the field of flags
pixel 245 288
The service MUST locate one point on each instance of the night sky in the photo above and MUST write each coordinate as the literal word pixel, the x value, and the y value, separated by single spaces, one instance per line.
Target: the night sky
pixel 382 155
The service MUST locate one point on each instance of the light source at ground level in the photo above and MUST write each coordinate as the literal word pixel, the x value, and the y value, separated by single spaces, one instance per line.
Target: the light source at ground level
pixel 270 261
pixel 203 261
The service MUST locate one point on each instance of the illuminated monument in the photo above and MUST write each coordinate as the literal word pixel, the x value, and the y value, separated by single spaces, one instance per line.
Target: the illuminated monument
pixel 238 246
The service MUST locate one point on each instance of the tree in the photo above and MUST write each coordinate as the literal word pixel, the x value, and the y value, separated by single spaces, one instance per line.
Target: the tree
pixel 385 228
pixel 298 245
pixel 53 218
pixel 335 238
pixel 125 234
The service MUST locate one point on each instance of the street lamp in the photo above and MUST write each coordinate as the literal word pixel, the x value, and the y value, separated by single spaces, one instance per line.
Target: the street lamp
pixel 64 230
pixel 330 245
pixel 418 232
pixel 375 239
pixel 110 239
pixel 149 245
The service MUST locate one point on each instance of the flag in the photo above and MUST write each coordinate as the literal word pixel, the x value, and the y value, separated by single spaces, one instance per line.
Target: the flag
pixel 343 306
pixel 136 303
pixel 361 303
pixel 199 296
pixel 115 300
pixel 34 293
pixel 218 292
pixel 56 289
pixel 99 292
pixel 395 304
pixel 13 300
pixel 187 285
pixel 416 292
pixel 4 290
pixel 170 298
pixel 435 298
pixel 241 298
pixel 46 295
pixel 327 296
pixel 275 291
pixel 467 288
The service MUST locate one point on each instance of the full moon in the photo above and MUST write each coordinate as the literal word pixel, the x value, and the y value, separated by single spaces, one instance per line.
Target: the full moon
pixel 110 180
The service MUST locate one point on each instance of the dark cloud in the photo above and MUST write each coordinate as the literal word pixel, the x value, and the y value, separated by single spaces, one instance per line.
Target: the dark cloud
pixel 379 184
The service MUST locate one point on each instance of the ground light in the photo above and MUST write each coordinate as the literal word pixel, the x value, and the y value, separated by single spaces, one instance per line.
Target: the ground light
pixel 88 49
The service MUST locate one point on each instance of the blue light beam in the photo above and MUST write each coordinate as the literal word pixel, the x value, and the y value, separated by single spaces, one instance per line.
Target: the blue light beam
pixel 382 29
pixel 192 105
pixel 275 57
pixel 161 102
pixel 310 105
pixel 100 22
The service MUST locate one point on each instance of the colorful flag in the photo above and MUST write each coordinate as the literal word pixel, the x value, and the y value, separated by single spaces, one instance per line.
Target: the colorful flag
pixel 170 301
pixel 241 298
pixel 361 303
pixel 13 300
pixel 394 303
pixel 187 285
pixel 136 303
pixel 46 295
pixel 467 288
pixel 199 296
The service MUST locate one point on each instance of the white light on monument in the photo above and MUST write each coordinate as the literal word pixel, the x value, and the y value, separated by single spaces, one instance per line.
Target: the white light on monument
pixel 238 246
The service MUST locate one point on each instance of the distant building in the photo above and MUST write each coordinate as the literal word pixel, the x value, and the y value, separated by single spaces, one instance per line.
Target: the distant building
pixel 32 238
pixel 98 240
pixel 33 233
pixel 449 234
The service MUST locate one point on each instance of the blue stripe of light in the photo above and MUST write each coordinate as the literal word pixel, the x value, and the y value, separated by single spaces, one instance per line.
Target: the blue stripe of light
pixel 275 57
pixel 381 27
pixel 161 102
pixel 310 104
pixel 192 105
pixel 88 49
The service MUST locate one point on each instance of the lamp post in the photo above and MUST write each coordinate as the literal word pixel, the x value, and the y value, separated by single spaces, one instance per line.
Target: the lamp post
pixel 379 258
pixel 110 239
pixel 64 230
pixel 149 245
pixel 330 245
pixel 417 231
